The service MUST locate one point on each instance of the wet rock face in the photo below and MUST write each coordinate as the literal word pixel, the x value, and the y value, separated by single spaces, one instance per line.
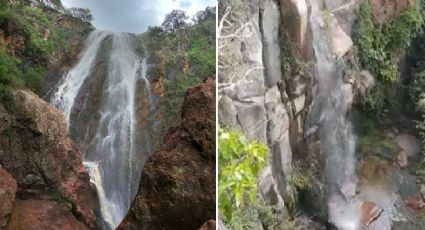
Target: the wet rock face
pixel 7 196
pixel 43 214
pixel 36 150
pixel 177 188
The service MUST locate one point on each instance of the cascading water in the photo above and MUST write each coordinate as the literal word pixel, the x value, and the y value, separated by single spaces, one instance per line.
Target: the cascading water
pixel 111 155
pixel 337 138
pixel 68 89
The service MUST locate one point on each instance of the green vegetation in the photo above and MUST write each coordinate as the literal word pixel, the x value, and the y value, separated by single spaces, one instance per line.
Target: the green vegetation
pixel 373 141
pixel 184 53
pixel 259 216
pixel 36 42
pixel 380 46
pixel 240 161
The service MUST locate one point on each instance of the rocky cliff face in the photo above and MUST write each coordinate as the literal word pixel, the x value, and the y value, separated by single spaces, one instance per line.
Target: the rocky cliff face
pixel 36 150
pixel 256 95
pixel 178 181
pixel 270 89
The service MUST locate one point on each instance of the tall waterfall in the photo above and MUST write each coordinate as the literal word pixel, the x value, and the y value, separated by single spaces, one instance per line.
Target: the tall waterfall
pixel 337 138
pixel 110 156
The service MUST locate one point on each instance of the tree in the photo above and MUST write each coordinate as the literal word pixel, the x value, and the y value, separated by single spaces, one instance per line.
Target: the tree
pixel 205 15
pixel 175 20
pixel 81 13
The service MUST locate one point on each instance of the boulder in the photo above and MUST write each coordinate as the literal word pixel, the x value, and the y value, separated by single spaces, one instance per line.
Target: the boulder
pixel 369 212
pixel 415 202
pixel 366 82
pixel 36 150
pixel 43 214
pixel 341 41
pixel 177 188
pixel 402 159
pixel 209 225
pixel 7 196
pixel 410 144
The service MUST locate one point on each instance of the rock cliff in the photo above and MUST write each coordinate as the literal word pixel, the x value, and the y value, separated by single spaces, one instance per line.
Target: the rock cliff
pixel 36 150
pixel 178 181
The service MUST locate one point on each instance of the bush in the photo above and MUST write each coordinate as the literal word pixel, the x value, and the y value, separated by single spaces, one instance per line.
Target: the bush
pixel 379 49
pixel 175 92
pixel 239 163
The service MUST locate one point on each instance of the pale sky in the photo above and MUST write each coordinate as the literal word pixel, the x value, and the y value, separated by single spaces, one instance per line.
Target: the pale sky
pixel 135 15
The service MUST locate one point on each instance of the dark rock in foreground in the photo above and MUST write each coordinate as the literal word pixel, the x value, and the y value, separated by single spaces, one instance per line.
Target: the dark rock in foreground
pixel 177 189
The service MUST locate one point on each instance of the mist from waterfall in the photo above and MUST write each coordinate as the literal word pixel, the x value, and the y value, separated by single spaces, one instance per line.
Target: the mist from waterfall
pixel 337 138
pixel 110 156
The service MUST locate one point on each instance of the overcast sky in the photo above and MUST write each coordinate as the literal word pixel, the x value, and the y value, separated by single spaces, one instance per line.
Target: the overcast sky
pixel 135 15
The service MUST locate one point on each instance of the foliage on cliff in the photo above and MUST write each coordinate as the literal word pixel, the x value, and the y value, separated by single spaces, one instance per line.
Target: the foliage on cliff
pixel 32 39
pixel 380 47
pixel 240 161
pixel 184 53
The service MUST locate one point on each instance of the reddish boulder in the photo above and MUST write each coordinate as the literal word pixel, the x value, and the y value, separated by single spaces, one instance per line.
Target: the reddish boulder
pixel 43 214
pixel 36 150
pixel 415 202
pixel 7 196
pixel 369 213
pixel 177 189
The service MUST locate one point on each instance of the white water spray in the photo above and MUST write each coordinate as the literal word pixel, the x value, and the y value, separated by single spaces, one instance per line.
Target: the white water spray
pixel 337 138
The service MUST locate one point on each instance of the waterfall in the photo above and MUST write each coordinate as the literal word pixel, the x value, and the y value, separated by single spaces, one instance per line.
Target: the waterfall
pixel 337 138
pixel 68 89
pixel 111 155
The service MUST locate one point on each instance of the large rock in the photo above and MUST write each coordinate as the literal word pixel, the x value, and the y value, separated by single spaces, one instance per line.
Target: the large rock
pixel 43 214
pixel 295 18
pixel 36 150
pixel 177 189
pixel 7 196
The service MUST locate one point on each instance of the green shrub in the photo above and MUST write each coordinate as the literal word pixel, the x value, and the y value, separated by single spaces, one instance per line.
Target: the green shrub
pixel 239 161
pixel 175 91
pixel 379 49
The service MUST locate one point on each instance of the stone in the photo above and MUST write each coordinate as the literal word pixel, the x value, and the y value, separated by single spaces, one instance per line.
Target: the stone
pixel 227 112
pixel 177 187
pixel 402 159
pixel 158 87
pixel 415 202
pixel 44 161
pixel 43 214
pixel 369 212
pixel 209 225
pixel 299 104
pixel 271 44
pixel 268 189
pixel 8 189
pixel 348 189
pixel 410 144
pixel 221 225
pixel 346 12
pixel 341 42
pixel 366 82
